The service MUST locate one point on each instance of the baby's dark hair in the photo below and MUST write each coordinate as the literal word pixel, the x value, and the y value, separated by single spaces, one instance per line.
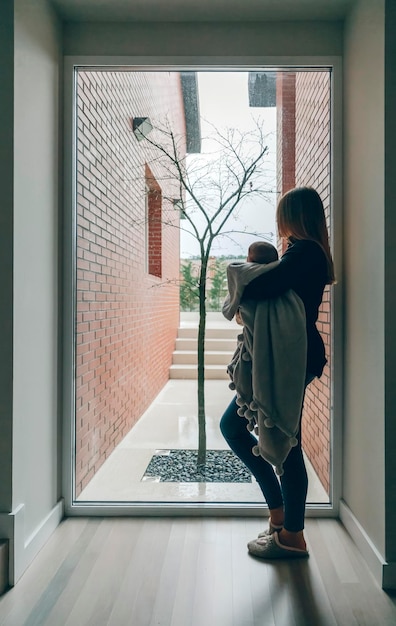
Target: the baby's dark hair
pixel 262 252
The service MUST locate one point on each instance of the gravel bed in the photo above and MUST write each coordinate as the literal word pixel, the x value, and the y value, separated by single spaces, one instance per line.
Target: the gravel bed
pixel 222 466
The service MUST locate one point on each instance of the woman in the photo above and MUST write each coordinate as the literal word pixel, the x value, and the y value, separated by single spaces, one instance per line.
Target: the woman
pixel 306 267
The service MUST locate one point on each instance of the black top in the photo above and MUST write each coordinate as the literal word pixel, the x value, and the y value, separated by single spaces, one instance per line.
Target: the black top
pixel 303 268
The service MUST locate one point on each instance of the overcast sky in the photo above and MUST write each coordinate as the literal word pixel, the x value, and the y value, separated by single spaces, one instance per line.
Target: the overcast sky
pixel 224 102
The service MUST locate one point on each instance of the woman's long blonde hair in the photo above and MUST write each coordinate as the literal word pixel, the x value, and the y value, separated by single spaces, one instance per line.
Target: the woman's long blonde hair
pixel 300 215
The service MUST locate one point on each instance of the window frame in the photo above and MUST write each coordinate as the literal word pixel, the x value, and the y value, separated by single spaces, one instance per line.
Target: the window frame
pixel 72 63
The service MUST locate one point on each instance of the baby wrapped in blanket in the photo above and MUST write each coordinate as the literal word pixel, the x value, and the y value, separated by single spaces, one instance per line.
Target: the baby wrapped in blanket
pixel 269 364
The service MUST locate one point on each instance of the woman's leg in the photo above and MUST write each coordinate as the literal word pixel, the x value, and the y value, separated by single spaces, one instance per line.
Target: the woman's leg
pixel 241 441
pixel 294 482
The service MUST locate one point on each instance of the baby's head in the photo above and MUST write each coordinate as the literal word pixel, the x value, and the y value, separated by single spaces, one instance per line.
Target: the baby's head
pixel 262 252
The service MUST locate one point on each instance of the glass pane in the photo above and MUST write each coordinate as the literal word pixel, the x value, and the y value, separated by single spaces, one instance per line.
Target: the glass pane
pixel 159 156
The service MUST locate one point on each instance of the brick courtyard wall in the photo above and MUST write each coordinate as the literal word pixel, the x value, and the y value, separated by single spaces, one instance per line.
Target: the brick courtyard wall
pixel 286 129
pixel 127 298
pixel 311 156
pixel 313 169
pixel 286 132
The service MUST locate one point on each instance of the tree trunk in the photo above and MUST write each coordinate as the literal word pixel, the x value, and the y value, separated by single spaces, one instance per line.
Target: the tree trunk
pixel 201 367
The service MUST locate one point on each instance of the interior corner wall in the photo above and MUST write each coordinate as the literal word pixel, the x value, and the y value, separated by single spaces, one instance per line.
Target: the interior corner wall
pixel 36 462
pixel 364 227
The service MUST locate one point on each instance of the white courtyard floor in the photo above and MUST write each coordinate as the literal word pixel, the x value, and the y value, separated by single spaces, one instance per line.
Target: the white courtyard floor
pixel 171 423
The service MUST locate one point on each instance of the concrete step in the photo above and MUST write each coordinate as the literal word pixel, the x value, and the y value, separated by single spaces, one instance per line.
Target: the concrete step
pixel 211 333
pixel 211 345
pixel 220 344
pixel 190 357
pixel 216 372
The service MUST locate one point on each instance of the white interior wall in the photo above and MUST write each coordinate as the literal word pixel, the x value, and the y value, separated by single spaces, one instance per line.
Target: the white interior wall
pixel 390 273
pixel 364 223
pixel 202 40
pixel 6 255
pixel 36 461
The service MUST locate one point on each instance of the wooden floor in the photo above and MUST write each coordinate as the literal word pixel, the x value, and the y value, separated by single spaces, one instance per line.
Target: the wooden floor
pixel 182 572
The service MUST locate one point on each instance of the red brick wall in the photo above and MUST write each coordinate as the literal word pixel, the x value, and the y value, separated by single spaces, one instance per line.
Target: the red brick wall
pixel 154 221
pixel 286 125
pixel 286 132
pixel 313 169
pixel 311 156
pixel 127 317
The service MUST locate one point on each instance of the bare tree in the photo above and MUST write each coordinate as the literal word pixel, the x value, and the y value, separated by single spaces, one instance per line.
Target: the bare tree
pixel 218 287
pixel 188 287
pixel 211 188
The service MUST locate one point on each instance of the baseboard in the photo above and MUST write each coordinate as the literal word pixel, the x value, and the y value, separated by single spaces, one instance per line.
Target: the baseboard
pixel 23 550
pixel 384 573
pixel 3 566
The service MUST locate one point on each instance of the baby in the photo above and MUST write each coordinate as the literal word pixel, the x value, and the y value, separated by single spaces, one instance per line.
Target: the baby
pixel 273 337
pixel 258 252
pixel 262 252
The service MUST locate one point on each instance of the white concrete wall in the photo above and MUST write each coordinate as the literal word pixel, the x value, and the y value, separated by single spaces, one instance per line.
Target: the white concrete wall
pixel 36 460
pixel 364 224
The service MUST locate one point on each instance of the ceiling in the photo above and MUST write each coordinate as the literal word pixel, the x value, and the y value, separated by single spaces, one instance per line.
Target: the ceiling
pixel 202 10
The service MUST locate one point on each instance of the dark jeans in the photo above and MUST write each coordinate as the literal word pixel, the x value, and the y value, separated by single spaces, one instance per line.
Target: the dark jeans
pixel 291 493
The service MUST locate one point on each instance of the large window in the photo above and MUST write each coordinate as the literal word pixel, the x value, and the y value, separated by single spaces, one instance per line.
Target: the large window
pixel 134 352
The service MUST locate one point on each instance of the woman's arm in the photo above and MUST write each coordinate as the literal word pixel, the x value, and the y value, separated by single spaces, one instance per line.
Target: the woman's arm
pixel 295 266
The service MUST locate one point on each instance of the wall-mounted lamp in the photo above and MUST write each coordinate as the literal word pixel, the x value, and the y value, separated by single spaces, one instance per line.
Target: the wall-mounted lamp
pixel 178 204
pixel 141 127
